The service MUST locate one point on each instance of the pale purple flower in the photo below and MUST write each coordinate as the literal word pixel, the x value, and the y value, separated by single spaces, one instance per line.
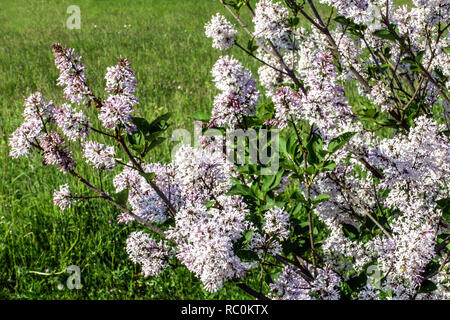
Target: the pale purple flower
pixel 288 105
pixel 71 74
pixel 22 138
pixel 239 95
pixel 99 156
pixel 153 256
pixel 270 19
pixel 276 223
pixel 62 197
pixel 221 31
pixel 73 123
pixel 291 286
pixel 115 111
pixel 142 198
pixel 55 152
pixel 37 109
pixel 120 80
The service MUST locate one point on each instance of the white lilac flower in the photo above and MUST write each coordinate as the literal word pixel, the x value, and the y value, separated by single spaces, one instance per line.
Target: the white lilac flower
pixel 239 95
pixel 288 105
pixel 99 156
pixel 221 31
pixel 73 123
pixel 21 139
pixel 55 152
pixel 143 199
pixel 276 223
pixel 153 256
pixel 71 74
pixel 270 20
pixel 62 197
pixel 118 108
pixel 115 111
pixel 291 286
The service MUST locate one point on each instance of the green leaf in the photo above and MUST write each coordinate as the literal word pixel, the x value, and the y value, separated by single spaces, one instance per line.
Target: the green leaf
pixel 321 198
pixel 247 255
pixel 314 146
pixel 160 123
pixel 251 46
pixel 427 286
pixel 149 176
pixel 444 205
pixel 247 236
pixel 311 170
pixel 342 20
pixel 408 60
pixel 208 204
pixel 338 142
pixel 384 34
pixel 268 180
pixel 297 195
pixel 329 165
pixel 419 56
pixel 137 141
pixel 293 21
pixel 265 111
pixel 278 178
pixel 239 189
pixel 122 197
pixel 350 231
pixel 431 268
pixel 141 124
pixel 154 143
pixel 291 145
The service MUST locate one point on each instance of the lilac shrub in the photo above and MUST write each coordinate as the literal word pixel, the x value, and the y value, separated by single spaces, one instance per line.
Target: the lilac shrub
pixel 360 103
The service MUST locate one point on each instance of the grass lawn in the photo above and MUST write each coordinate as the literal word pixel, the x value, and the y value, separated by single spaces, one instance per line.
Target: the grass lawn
pixel 164 40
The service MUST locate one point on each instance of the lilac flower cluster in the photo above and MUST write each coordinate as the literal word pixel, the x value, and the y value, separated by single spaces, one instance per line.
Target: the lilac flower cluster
pixel 74 124
pixel 276 223
pixel 71 75
pixel 291 286
pixel 270 20
pixel 117 109
pixel 56 152
pixel 205 236
pixel 288 105
pixel 62 197
pixel 36 114
pixel 239 95
pixel 142 198
pixel 221 31
pixel 153 256
pixel 99 156
pixel 325 103
pixel 205 240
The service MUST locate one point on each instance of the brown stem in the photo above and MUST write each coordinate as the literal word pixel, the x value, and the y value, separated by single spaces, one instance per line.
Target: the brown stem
pixel 255 57
pixel 152 184
pixel 108 198
pixel 413 56
pixel 252 292
pixel 311 230
pixel 301 270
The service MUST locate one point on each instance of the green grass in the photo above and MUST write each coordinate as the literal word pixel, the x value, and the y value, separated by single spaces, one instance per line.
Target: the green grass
pixel 172 59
